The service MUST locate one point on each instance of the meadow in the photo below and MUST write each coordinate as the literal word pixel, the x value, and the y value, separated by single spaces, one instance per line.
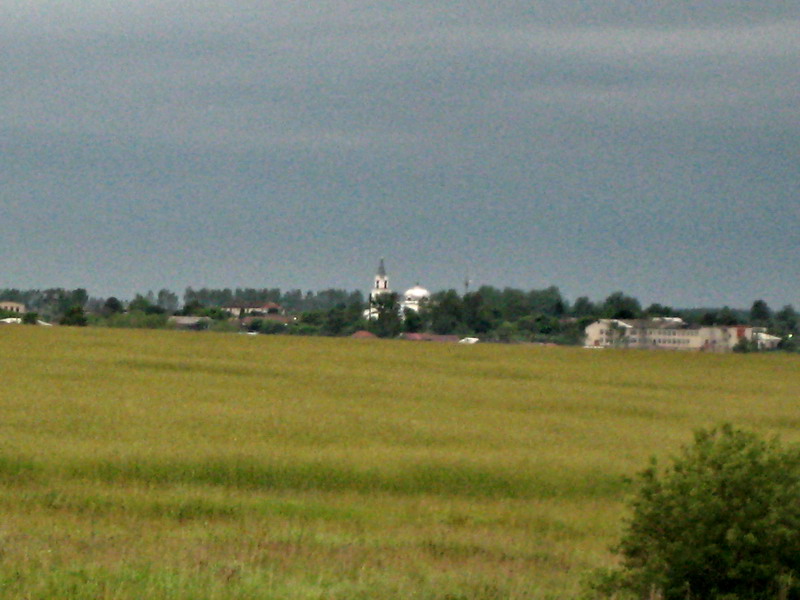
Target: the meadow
pixel 157 464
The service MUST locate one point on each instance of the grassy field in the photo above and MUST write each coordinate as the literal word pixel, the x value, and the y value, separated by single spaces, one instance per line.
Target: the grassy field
pixel 151 464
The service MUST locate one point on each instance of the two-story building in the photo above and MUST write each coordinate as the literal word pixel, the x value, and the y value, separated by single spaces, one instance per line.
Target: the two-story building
pixel 12 307
pixel 672 333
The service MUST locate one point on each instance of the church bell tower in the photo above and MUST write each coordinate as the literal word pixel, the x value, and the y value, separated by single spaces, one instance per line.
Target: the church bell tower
pixel 381 283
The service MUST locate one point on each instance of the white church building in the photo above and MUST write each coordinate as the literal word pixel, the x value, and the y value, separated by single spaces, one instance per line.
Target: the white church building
pixel 412 299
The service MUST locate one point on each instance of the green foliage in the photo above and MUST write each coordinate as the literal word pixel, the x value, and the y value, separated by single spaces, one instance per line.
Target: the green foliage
pixel 267 326
pixel 30 318
pixel 583 307
pixel 722 521
pixel 412 321
pixel 167 300
pixel 658 310
pixel 446 312
pixel 743 346
pixel 760 313
pixel 506 332
pixel 723 316
pixel 620 306
pixel 75 316
pixel 112 306
pixel 388 322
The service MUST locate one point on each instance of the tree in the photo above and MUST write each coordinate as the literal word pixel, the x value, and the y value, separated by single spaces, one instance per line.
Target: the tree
pixel 412 321
pixel 478 316
pixel 75 316
pixel 334 321
pixel 787 321
pixel 658 310
pixel 388 322
pixel 760 313
pixel 447 311
pixel 584 307
pixel 167 300
pixel 112 306
pixel 506 332
pixel 726 316
pixel 721 521
pixel 723 316
pixel 139 302
pixel 620 306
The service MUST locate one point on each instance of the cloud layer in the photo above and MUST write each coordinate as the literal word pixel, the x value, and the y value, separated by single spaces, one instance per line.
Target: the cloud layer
pixel 596 146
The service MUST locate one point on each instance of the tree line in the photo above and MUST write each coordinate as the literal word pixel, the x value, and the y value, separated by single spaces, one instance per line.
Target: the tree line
pixel 507 314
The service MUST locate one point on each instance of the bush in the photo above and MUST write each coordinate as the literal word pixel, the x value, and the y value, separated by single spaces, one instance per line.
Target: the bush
pixel 75 317
pixel 722 521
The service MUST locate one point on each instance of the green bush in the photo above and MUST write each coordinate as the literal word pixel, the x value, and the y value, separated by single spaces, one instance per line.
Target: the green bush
pixel 721 521
pixel 75 317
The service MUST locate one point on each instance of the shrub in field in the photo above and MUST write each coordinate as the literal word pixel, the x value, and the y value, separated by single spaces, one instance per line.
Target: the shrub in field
pixel 722 521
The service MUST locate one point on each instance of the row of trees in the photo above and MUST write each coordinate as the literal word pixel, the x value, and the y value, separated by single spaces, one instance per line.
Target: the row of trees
pixel 507 314
pixel 295 301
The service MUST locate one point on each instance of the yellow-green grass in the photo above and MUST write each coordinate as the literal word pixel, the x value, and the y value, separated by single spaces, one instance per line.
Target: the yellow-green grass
pixel 179 465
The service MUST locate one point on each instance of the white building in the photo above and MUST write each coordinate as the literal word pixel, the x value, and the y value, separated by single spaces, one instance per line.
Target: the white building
pixel 672 333
pixel 415 298
pixel 12 307
pixel 412 299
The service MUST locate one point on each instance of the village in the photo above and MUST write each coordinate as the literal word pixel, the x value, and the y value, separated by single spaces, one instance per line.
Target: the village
pixel 486 314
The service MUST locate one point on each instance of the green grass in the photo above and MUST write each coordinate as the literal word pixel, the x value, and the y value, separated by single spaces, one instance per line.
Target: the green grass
pixel 179 465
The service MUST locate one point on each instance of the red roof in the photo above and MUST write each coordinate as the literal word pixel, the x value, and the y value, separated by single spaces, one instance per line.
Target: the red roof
pixel 429 337
pixel 363 335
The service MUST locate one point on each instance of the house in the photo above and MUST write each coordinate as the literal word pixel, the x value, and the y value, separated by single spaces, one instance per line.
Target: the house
pixel 672 333
pixel 240 309
pixel 189 322
pixel 12 307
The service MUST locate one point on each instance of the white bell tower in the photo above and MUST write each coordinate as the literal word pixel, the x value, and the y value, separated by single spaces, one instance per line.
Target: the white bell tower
pixel 380 284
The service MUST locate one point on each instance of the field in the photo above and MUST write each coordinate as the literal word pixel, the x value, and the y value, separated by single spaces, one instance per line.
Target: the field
pixel 141 464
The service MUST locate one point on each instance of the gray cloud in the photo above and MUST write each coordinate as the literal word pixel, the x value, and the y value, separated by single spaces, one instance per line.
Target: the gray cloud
pixel 593 145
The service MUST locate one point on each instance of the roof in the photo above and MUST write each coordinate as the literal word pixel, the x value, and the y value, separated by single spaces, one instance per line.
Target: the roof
pixel 381 269
pixel 277 318
pixel 430 337
pixel 417 293
pixel 187 321
pixel 363 334
pixel 266 305
pixel 656 323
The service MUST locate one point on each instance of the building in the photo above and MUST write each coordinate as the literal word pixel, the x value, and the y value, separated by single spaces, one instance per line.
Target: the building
pixel 12 307
pixel 415 298
pixel 240 309
pixel 672 333
pixel 412 299
pixel 189 322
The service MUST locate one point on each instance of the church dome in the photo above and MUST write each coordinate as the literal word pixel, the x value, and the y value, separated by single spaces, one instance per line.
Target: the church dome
pixel 416 294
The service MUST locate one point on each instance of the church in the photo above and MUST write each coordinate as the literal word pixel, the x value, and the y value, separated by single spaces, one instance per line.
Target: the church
pixel 412 299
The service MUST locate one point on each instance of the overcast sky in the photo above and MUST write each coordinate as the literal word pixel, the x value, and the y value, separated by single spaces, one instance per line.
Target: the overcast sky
pixel 594 145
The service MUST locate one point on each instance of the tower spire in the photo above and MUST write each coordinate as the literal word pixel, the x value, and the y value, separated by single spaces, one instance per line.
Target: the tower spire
pixel 381 282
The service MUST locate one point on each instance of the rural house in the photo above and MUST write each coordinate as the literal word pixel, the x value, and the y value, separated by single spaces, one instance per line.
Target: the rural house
pixel 12 307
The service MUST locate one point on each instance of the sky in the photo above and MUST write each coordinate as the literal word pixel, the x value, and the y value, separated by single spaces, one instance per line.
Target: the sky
pixel 596 146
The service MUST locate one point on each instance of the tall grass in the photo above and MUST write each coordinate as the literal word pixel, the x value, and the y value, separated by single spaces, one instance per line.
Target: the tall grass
pixel 179 465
